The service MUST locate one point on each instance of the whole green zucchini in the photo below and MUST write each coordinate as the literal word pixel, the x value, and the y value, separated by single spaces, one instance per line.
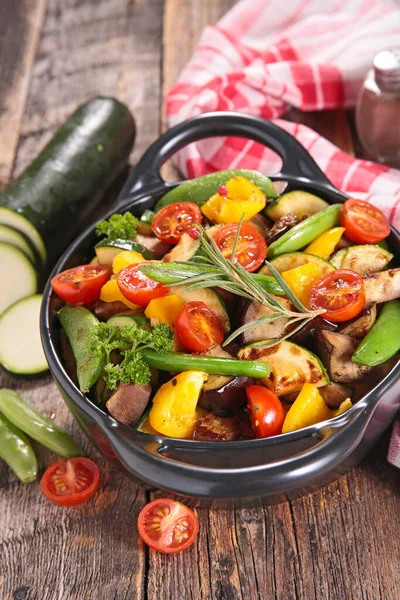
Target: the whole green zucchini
pixel 62 186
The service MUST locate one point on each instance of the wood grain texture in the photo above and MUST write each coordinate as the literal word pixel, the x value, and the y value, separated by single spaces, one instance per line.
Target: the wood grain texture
pixel 340 543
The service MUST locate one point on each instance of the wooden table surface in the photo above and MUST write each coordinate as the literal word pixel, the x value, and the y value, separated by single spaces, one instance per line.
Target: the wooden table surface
pixel 340 543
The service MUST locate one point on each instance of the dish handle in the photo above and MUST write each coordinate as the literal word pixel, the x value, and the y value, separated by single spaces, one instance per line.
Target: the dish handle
pixel 296 161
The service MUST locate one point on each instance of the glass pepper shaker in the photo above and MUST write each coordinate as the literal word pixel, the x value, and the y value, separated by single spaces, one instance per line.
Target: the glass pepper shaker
pixel 378 109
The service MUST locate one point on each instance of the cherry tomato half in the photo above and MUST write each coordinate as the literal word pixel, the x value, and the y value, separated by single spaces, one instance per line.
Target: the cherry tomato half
pixel 174 220
pixel 364 223
pixel 198 327
pixel 167 525
pixel 137 287
pixel 81 285
pixel 70 482
pixel 341 293
pixel 251 249
pixel 266 411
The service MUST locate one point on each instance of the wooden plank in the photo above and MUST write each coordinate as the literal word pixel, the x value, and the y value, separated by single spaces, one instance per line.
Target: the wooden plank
pixel 20 26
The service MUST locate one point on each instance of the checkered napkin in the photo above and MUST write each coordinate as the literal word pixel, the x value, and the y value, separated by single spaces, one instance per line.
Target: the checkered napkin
pixel 265 56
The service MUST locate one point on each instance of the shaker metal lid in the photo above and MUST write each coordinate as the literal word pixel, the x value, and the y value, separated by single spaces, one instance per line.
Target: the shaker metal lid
pixel 387 67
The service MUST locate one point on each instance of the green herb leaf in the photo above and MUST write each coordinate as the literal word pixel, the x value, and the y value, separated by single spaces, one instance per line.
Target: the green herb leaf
pixel 122 227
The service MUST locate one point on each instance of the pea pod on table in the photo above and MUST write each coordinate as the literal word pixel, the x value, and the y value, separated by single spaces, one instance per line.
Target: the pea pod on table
pixel 17 452
pixel 36 426
pixel 201 189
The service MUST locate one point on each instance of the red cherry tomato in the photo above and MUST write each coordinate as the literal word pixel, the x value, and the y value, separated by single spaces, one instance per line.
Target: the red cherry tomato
pixel 137 287
pixel 70 482
pixel 251 249
pixel 341 293
pixel 364 223
pixel 175 219
pixel 198 327
pixel 81 285
pixel 266 411
pixel 167 525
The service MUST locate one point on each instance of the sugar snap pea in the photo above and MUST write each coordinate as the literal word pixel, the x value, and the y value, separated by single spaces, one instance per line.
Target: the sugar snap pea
pixel 201 189
pixel 17 452
pixel 383 341
pixel 37 426
pixel 306 231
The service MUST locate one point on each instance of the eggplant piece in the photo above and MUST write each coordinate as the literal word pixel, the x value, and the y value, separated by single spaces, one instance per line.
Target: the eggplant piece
pixel 281 226
pixel 267 331
pixel 280 186
pixel 335 393
pixel 106 310
pixel 213 428
pixel 129 402
pixel 336 350
pixel 261 223
pixel 302 335
pixel 360 326
pixel 153 244
pixel 226 399
pixel 382 286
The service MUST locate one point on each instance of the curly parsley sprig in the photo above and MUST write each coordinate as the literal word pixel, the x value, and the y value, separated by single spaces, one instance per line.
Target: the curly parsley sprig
pixel 123 227
pixel 129 341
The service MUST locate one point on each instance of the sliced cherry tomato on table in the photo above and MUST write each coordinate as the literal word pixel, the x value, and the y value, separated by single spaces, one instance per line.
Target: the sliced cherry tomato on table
pixel 341 293
pixel 70 482
pixel 81 285
pixel 251 249
pixel 137 287
pixel 364 222
pixel 198 327
pixel 266 411
pixel 172 221
pixel 167 525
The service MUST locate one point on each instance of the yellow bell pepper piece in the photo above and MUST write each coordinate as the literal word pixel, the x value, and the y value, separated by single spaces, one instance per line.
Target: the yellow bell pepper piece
pixel 165 309
pixel 301 279
pixel 308 408
pixel 174 406
pixel 126 258
pixel 325 244
pixel 110 292
pixel 242 197
pixel 345 405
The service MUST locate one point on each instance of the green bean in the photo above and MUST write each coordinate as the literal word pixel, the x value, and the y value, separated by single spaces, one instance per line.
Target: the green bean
pixel 175 361
pixel 37 426
pixel 17 452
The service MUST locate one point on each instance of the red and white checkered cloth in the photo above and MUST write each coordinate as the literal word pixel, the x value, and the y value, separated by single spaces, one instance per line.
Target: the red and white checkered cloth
pixel 265 56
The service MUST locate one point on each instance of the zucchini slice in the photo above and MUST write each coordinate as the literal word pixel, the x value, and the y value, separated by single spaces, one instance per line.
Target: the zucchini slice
pixel 382 287
pixel 186 248
pixel 17 274
pixel 291 366
pixel 302 204
pixel 126 318
pixel 285 262
pixel 107 250
pixel 12 236
pixel 20 223
pixel 364 259
pixel 266 331
pixel 209 297
pixel 21 351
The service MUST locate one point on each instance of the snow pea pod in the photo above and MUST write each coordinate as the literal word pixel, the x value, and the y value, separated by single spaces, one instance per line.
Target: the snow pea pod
pixel 383 341
pixel 305 232
pixel 201 189
pixel 37 426
pixel 17 452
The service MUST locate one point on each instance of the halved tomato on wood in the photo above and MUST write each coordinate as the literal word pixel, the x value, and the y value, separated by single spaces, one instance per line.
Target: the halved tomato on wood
pixel 70 482
pixel 167 525
pixel 172 221
pixel 341 293
pixel 251 249
pixel 364 222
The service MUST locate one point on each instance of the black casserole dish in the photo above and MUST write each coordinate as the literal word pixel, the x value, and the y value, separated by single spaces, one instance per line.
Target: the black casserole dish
pixel 272 468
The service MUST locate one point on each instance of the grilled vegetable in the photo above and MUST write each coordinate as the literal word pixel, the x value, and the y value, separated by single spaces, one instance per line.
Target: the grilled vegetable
pixel 238 198
pixel 186 248
pixel 280 227
pixel 129 402
pixel 210 298
pixel 383 341
pixel 297 259
pixel 79 324
pixel 107 250
pixel 360 326
pixel 21 351
pixel 305 232
pixel 325 244
pixel 308 408
pixel 382 287
pixel 71 174
pixel 334 394
pixel 291 366
pixel 336 351
pixel 364 259
pixel 266 331
pixel 302 204
pixel 301 279
pixel 201 189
